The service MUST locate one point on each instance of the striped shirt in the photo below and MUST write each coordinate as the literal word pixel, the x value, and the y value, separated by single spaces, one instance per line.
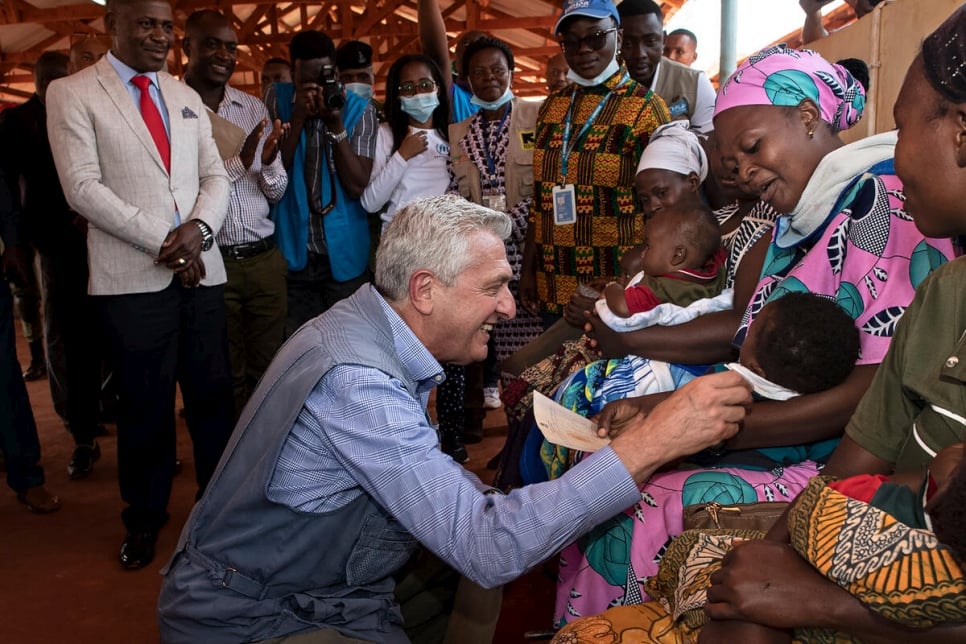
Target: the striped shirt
pixel 252 189
pixel 602 168
pixel 361 432
pixel 318 150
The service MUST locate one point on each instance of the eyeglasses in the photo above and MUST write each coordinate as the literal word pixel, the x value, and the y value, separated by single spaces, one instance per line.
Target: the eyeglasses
pixel 483 72
pixel 595 41
pixel 424 86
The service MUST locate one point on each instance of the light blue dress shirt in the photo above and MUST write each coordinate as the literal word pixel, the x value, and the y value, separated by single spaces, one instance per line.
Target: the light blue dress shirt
pixel 361 432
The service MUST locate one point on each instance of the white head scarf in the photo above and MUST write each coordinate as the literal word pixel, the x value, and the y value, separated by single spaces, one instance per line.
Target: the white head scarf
pixel 676 148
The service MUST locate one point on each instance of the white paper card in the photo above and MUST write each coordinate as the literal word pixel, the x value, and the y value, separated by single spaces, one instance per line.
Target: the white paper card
pixel 563 427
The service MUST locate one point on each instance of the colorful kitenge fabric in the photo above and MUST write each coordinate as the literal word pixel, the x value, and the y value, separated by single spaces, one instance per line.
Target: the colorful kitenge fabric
pixel 755 224
pixel 869 257
pixel 601 168
pixel 610 565
pixel 785 77
pixel 587 390
pixel 679 589
pixel 488 137
pixel 902 573
pixel 649 622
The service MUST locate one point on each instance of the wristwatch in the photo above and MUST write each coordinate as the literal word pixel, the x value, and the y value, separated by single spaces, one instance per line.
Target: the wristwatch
pixel 338 138
pixel 207 237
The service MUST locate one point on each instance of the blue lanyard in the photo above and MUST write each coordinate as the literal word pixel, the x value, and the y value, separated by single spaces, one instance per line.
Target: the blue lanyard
pixel 487 156
pixel 566 147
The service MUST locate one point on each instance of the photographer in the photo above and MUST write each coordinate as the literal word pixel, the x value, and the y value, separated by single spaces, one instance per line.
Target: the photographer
pixel 327 151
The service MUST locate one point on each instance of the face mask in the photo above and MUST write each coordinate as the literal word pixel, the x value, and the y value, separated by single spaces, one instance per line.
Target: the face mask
pixel 360 89
pixel 493 105
pixel 609 71
pixel 420 107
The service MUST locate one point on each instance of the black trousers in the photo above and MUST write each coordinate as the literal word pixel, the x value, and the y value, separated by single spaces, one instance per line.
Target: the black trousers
pixel 18 432
pixel 74 342
pixel 177 335
pixel 313 290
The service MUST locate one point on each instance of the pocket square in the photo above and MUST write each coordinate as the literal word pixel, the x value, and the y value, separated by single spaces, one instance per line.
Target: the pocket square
pixel 186 113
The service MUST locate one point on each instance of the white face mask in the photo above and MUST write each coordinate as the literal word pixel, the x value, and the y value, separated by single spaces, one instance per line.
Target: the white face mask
pixel 505 98
pixel 360 89
pixel 420 107
pixel 609 71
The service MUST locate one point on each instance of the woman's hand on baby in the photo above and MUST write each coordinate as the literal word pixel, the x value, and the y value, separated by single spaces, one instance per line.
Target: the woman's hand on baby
pixel 575 309
pixel 414 144
pixel 608 341
pixel 767 582
pixel 617 415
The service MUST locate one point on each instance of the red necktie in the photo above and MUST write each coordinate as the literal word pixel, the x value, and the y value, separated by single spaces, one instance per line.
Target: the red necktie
pixel 152 118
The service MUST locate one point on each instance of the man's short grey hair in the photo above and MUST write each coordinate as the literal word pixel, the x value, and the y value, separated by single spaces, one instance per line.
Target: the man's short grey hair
pixel 432 234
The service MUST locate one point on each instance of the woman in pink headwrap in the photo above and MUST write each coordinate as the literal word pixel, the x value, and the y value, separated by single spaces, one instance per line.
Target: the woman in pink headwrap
pixel 844 235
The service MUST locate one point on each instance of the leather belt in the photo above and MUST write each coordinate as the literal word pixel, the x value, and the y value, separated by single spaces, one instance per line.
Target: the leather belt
pixel 247 251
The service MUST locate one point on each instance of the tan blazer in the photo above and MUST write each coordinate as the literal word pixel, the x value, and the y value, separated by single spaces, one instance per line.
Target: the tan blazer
pixel 113 175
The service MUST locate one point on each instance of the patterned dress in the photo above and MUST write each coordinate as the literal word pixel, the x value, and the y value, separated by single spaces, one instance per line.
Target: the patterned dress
pixel 755 224
pixel 601 168
pixel 869 257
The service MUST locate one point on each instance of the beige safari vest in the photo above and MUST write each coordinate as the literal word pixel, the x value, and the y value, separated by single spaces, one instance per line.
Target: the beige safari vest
pixel 519 162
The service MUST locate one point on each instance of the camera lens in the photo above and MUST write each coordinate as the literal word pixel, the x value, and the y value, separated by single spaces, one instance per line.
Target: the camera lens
pixel 332 95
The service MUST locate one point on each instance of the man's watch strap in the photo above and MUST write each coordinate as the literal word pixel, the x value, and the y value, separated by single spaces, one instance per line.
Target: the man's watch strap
pixel 207 236
pixel 338 138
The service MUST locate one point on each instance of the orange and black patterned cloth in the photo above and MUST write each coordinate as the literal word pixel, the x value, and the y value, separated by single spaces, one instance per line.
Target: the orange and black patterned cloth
pixel 601 168
pixel 899 571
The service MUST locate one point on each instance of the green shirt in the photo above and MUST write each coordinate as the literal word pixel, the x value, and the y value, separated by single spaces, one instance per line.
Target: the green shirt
pixel 917 401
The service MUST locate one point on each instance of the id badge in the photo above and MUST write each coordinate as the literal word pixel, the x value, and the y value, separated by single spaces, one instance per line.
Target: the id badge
pixel 564 205
pixel 495 202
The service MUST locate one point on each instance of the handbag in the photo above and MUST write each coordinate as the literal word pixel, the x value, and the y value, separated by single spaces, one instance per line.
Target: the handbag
pixel 737 516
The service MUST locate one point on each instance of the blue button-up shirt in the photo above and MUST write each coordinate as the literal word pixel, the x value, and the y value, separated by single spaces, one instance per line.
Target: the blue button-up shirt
pixel 361 432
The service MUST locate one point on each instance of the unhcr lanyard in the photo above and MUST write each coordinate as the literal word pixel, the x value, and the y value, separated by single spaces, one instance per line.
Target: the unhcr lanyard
pixel 567 148
pixel 488 155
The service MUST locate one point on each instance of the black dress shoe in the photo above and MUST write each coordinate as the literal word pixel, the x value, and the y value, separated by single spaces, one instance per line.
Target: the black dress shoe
pixel 36 371
pixel 453 445
pixel 137 551
pixel 82 462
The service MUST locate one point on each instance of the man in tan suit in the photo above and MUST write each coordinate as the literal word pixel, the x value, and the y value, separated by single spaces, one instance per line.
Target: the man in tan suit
pixel 135 155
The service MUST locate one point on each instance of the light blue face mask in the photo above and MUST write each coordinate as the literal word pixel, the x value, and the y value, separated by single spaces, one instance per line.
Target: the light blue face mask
pixel 493 105
pixel 420 107
pixel 609 71
pixel 360 89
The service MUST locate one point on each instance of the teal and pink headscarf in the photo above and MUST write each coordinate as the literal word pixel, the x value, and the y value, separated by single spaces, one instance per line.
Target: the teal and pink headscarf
pixel 786 77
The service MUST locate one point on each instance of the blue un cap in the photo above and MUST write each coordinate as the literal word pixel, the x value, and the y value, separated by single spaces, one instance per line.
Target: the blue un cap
pixel 588 8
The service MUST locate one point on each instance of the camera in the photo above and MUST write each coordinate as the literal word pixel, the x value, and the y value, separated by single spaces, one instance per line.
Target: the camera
pixel 332 90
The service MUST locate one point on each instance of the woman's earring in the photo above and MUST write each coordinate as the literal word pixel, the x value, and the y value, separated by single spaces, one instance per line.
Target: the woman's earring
pixel 811 134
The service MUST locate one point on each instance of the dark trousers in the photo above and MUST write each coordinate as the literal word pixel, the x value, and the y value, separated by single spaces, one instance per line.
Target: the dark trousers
pixel 256 299
pixel 73 339
pixel 312 291
pixel 459 400
pixel 27 302
pixel 157 339
pixel 18 431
